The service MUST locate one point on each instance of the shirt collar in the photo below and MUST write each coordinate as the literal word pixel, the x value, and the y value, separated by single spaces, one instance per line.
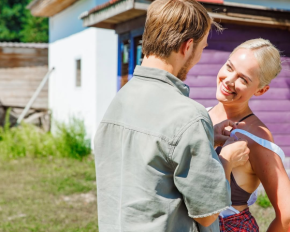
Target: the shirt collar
pixel 162 75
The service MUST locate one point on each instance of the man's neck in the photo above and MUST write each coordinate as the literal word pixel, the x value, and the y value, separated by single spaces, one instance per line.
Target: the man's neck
pixel 170 64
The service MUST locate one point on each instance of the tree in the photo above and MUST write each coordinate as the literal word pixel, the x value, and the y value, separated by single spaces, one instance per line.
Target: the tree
pixel 18 25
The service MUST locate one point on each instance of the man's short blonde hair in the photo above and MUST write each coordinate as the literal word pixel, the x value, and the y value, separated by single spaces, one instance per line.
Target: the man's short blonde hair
pixel 169 23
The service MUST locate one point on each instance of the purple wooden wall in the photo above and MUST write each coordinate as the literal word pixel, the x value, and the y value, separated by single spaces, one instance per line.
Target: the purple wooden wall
pixel 273 108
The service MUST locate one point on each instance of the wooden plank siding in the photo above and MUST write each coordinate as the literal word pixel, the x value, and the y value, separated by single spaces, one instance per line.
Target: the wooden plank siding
pixel 17 86
pixel 12 57
pixel 21 71
pixel 273 108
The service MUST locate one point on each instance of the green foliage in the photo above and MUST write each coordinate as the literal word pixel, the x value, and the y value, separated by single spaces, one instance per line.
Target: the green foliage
pixel 263 201
pixel 27 140
pixel 72 138
pixel 18 25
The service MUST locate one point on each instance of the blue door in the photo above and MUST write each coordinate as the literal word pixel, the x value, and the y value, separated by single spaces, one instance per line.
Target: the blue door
pixel 129 55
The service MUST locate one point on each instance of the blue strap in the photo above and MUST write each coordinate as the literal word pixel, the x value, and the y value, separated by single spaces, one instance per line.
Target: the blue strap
pixel 263 142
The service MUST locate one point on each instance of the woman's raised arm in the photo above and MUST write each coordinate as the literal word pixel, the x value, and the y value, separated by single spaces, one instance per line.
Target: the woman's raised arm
pixel 270 170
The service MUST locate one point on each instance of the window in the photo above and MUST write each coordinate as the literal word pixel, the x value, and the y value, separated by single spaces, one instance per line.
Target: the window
pixel 78 73
pixel 125 51
pixel 138 50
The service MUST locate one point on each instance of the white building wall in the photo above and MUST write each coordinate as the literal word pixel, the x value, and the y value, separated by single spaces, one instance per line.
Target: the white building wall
pixel 97 49
pixel 67 22
pixel 65 99
pixel 106 63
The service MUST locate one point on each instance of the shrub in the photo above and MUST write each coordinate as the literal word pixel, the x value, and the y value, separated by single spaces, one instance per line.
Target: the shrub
pixel 28 140
pixel 263 201
pixel 71 139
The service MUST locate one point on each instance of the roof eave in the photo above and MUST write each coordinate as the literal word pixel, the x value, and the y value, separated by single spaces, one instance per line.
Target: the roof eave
pixel 48 8
pixel 250 20
pixel 117 12
pixel 114 14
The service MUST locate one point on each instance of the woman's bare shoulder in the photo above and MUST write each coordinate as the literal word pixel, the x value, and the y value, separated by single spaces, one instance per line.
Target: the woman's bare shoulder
pixel 258 128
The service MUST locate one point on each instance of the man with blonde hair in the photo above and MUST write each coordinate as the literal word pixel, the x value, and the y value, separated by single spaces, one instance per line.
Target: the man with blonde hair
pixel 157 170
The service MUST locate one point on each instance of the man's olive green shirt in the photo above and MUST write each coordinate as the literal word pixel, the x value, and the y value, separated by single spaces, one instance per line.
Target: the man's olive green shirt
pixel 156 166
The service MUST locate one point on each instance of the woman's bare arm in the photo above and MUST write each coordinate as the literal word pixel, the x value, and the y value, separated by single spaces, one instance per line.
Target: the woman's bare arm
pixel 270 170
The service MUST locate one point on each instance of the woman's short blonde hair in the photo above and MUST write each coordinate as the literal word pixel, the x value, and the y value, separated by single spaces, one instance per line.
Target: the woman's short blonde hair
pixel 169 23
pixel 268 58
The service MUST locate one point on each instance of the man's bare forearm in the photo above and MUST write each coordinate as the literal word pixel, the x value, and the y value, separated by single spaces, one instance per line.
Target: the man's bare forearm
pixel 207 221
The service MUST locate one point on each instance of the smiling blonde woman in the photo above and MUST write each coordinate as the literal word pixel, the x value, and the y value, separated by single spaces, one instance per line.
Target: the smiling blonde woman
pixel 248 72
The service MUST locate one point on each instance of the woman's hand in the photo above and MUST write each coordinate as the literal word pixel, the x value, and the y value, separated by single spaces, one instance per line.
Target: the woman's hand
pixel 234 154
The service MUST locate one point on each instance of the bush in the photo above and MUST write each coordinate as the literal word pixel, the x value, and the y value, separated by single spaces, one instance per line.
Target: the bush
pixel 72 139
pixel 264 201
pixel 28 140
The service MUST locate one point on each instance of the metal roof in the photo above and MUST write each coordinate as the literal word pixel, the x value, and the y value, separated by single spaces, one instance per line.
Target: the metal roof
pixel 24 45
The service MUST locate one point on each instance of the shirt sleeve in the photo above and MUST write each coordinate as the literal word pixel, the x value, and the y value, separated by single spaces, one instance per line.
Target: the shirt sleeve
pixel 198 173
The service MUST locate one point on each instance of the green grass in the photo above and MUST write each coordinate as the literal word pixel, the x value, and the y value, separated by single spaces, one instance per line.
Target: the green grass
pixel 48 195
pixel 69 180
pixel 69 140
pixel 263 201
pixel 55 194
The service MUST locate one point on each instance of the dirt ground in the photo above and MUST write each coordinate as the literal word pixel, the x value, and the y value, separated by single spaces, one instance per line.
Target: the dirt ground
pixel 263 216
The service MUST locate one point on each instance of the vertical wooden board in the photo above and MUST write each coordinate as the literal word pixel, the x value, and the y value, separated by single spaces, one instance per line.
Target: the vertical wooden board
pixel 202 93
pixel 200 81
pixel 274 117
pixel 282 140
pixel 279 128
pixel 213 57
pixel 281 106
pixel 280 82
pixel 274 94
pixel 205 69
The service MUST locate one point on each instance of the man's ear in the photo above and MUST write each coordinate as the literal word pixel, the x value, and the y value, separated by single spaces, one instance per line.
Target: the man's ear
pixel 186 47
pixel 262 90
